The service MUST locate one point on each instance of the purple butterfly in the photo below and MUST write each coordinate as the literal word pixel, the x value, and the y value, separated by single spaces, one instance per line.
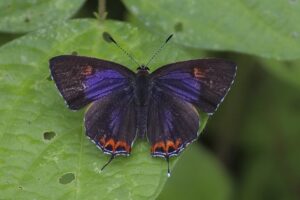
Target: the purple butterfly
pixel 162 105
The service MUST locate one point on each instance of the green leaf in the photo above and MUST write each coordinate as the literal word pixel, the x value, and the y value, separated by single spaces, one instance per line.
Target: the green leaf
pixel 265 28
pixel 26 15
pixel 44 153
pixel 198 174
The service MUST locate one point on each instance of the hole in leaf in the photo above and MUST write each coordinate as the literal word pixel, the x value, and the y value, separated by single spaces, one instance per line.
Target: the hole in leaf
pixel 49 135
pixel 27 20
pixel 178 27
pixel 67 178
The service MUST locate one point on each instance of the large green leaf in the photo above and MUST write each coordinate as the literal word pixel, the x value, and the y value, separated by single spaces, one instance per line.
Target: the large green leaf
pixel 44 153
pixel 27 15
pixel 265 28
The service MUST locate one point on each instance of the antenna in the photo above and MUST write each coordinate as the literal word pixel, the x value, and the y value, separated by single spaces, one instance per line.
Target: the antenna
pixel 160 48
pixel 108 38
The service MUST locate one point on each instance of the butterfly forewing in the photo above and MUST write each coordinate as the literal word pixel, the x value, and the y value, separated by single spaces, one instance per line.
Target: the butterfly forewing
pixel 203 82
pixel 82 80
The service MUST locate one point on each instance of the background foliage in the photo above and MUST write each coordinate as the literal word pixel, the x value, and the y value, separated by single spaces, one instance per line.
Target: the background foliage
pixel 249 148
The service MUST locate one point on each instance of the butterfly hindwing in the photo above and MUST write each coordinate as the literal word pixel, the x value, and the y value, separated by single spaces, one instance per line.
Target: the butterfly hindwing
pixel 82 80
pixel 111 122
pixel 202 82
pixel 172 123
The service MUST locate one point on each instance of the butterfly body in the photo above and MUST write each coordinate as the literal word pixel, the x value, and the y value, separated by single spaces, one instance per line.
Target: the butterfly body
pixel 142 94
pixel 162 105
pixel 142 88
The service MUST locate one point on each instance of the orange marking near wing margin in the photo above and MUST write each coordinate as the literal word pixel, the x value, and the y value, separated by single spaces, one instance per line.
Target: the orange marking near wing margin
pixel 166 145
pixel 105 143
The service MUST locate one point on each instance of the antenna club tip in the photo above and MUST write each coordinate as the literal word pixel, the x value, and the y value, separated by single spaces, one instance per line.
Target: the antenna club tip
pixel 169 174
pixel 108 38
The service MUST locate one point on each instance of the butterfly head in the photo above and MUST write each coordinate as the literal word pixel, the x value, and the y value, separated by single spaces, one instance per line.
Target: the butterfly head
pixel 143 68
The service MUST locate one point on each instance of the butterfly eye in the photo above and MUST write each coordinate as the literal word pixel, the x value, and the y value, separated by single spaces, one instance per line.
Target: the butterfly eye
pixel 147 68
pixel 139 68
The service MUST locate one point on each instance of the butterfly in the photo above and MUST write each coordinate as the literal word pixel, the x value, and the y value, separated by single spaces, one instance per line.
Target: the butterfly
pixel 161 106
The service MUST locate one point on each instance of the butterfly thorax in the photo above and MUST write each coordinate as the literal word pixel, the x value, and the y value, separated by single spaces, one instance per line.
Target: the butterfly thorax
pixel 142 87
pixel 142 96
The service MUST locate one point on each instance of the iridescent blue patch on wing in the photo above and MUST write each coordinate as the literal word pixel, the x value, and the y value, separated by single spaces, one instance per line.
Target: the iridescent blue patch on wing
pixel 182 84
pixel 103 82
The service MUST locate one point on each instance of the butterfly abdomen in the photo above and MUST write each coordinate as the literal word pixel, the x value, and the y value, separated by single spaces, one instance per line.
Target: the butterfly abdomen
pixel 142 121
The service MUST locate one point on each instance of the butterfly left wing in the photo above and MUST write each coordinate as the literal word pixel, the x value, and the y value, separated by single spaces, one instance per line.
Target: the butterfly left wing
pixel 81 80
pixel 202 82
pixel 111 123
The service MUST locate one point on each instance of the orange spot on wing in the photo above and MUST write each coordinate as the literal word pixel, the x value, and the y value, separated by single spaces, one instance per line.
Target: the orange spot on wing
pixel 87 70
pixel 158 145
pixel 124 145
pixel 170 146
pixel 178 143
pixel 166 147
pixel 198 73
pixel 112 145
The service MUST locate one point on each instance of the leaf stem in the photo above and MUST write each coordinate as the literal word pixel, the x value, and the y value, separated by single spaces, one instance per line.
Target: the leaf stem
pixel 102 9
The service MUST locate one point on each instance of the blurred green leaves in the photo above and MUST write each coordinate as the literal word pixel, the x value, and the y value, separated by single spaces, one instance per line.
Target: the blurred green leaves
pixel 265 28
pixel 271 141
pixel 19 16
pixel 43 149
pixel 288 71
pixel 198 175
